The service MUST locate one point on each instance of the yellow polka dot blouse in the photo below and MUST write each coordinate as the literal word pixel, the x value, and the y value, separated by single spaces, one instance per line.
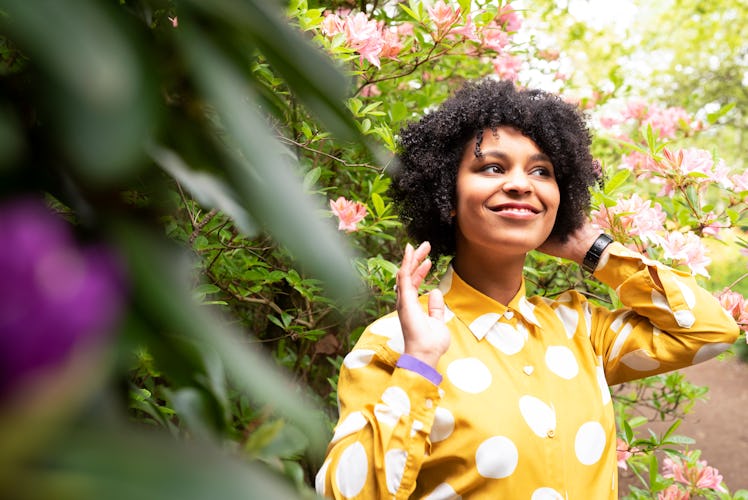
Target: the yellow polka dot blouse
pixel 524 410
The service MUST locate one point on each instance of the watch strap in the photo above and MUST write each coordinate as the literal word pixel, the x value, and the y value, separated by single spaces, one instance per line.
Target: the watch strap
pixel 592 257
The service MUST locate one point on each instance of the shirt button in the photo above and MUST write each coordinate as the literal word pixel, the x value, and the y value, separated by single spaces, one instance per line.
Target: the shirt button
pixel 551 433
pixel 429 403
pixel 509 315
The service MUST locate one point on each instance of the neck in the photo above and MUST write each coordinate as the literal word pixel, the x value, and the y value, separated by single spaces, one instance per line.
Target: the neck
pixel 497 277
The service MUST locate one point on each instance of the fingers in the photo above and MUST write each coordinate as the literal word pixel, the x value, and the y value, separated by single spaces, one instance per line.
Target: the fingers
pixel 436 304
pixel 414 266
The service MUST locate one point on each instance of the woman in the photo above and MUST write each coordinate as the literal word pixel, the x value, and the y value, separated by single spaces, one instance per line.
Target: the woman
pixel 476 391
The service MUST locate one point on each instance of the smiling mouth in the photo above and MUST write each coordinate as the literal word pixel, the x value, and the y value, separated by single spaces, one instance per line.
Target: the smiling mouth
pixel 515 209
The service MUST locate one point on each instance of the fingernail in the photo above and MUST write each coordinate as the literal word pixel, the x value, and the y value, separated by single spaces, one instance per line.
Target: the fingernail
pixel 408 247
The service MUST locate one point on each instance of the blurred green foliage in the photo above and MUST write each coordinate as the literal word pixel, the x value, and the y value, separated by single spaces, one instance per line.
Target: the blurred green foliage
pixel 202 140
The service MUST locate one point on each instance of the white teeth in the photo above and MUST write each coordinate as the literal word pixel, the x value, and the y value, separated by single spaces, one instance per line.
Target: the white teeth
pixel 516 210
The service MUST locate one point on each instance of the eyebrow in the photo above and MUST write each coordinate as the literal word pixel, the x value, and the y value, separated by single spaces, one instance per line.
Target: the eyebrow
pixel 503 156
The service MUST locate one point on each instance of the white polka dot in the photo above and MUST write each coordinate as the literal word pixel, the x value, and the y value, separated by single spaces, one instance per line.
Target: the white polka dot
pixel 358 358
pixel 589 443
pixel 444 424
pixel 506 338
pixel 416 427
pixel 390 327
pixel 482 324
pixel 397 399
pixel 354 422
pixel 319 481
pixel 659 300
pixel 352 470
pixel 496 458
pixel 539 416
pixel 708 351
pixel 443 492
pixel 603 383
pixel 394 467
pixel 469 375
pixel 620 339
pixel 570 318
pixel 561 361
pixel 619 321
pixel 386 415
pixel 640 360
pixel 688 294
pixel 448 314
pixel 546 494
pixel 685 319
pixel 527 310
pixel 587 318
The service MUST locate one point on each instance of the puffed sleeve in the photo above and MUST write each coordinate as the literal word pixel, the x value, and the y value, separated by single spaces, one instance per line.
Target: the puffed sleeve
pixel 386 415
pixel 667 320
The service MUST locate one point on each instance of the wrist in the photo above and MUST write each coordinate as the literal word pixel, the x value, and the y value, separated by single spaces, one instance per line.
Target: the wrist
pixel 595 251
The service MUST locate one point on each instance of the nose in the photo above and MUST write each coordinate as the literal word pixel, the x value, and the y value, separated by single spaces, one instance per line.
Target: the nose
pixel 517 181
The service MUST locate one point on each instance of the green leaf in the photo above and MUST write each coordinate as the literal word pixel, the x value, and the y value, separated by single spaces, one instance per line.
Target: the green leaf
pixel 378 202
pixel 618 179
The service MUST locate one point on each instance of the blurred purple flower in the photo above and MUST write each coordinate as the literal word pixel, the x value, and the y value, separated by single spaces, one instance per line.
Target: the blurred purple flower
pixel 55 295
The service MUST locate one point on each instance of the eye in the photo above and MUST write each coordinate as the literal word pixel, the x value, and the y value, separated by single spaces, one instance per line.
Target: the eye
pixel 542 171
pixel 493 168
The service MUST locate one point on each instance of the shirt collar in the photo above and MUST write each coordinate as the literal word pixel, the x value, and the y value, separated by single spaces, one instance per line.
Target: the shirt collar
pixel 478 311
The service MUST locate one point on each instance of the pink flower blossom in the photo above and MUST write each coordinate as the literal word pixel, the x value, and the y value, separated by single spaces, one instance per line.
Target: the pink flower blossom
pixel 349 213
pixel 667 121
pixel 633 216
pixel 686 249
pixel 509 19
pixel 392 44
pixel 495 38
pixel 174 21
pixel 332 24
pixel 364 36
pixel 732 302
pixel 635 109
pixel 443 16
pixel 699 475
pixel 623 453
pixel 740 181
pixel 673 492
pixel 370 90
pixel 468 30
pixel 507 66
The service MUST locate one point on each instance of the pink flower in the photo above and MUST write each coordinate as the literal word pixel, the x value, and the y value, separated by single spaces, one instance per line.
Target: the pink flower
pixel 349 213
pixel 509 19
pixel 667 121
pixel 364 36
pixel 740 182
pixel 698 475
pixel 623 453
pixel 332 24
pixel 443 16
pixel 468 30
pixel 732 302
pixel 495 38
pixel 507 66
pixel 392 45
pixel 174 21
pixel 633 216
pixel 673 492
pixel 635 109
pixel 686 249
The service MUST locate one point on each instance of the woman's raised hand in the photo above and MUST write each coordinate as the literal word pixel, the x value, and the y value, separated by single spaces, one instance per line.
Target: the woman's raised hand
pixel 425 335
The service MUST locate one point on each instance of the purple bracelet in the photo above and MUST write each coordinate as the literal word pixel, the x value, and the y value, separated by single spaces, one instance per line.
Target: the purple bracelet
pixel 416 365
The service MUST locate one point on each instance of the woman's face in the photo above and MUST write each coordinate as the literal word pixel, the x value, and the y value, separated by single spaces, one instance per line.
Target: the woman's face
pixel 507 198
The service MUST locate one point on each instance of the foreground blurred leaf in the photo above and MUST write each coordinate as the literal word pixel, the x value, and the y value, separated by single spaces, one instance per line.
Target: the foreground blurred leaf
pixel 310 74
pixel 264 173
pixel 166 300
pixel 102 104
pixel 146 466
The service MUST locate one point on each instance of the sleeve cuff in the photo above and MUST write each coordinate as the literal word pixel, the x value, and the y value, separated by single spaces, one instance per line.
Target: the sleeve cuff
pixel 416 365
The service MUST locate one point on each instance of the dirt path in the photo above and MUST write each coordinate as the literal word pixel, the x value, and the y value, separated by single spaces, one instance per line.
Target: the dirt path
pixel 719 424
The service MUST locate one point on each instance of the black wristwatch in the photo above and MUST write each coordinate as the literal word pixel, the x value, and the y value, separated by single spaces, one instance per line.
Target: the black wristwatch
pixel 592 257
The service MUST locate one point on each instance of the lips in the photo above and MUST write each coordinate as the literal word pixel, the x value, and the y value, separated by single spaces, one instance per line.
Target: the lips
pixel 518 208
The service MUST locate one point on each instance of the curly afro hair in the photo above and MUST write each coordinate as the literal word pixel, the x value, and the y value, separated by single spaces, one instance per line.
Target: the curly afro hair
pixel 430 150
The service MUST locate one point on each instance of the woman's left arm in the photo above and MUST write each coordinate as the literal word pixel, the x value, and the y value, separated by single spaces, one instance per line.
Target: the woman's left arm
pixel 668 321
